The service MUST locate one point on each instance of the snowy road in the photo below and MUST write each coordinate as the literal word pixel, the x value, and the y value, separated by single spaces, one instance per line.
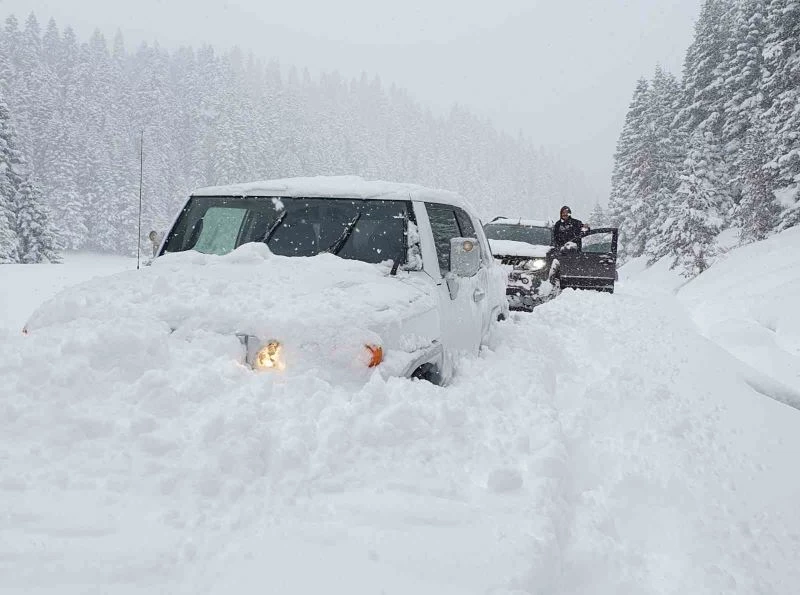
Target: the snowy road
pixel 602 445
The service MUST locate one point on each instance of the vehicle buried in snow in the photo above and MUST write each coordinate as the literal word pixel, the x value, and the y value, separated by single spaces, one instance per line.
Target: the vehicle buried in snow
pixel 333 276
pixel 537 270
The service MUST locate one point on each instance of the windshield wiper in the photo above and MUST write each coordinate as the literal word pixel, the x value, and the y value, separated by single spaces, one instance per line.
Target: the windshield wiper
pixel 339 243
pixel 274 227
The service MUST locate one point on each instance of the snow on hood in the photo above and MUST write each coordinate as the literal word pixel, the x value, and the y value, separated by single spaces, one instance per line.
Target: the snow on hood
pixel 513 248
pixel 324 301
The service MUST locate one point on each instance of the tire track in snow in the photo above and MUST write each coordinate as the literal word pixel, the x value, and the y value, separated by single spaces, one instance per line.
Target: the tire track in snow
pixel 657 471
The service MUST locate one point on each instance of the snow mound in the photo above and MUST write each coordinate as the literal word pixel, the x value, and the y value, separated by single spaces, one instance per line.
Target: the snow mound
pixel 748 303
pixel 322 309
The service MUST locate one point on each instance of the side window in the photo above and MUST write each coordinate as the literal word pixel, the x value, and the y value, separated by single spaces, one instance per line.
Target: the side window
pixel 218 231
pixel 445 227
pixel 465 224
pixel 599 243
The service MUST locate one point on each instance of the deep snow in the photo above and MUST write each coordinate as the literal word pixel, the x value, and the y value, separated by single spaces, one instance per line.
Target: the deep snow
pixel 601 444
pixel 24 287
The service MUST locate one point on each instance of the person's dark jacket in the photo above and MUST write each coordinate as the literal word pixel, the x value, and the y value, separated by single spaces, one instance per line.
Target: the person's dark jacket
pixel 568 231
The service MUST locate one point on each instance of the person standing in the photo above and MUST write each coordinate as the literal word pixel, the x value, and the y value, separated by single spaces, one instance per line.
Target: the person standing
pixel 568 230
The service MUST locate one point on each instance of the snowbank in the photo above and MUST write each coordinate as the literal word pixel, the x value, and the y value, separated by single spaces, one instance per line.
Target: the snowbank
pixel 749 303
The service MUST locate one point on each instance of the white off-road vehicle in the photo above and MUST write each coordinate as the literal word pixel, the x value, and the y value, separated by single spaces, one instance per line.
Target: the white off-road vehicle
pixel 335 277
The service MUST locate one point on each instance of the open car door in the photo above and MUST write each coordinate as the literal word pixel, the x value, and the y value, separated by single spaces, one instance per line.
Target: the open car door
pixel 594 266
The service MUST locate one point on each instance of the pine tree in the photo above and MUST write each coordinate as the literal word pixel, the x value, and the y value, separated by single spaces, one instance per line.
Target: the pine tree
pixel 744 74
pixel 26 234
pixel 692 229
pixel 703 71
pixel 598 217
pixel 36 240
pixel 758 212
pixel 782 89
pixel 631 159
pixel 669 153
pixel 10 178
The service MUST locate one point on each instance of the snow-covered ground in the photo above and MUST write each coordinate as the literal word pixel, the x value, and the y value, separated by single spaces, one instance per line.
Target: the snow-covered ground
pixel 602 444
pixel 24 287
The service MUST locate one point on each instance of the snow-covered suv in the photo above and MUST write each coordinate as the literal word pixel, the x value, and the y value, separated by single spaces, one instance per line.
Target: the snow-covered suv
pixel 524 248
pixel 537 271
pixel 328 276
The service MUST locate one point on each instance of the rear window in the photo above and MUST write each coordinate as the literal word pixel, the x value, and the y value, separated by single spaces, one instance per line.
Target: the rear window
pixel 538 236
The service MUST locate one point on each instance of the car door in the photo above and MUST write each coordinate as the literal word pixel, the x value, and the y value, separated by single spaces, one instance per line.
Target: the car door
pixel 462 326
pixel 594 266
pixel 481 294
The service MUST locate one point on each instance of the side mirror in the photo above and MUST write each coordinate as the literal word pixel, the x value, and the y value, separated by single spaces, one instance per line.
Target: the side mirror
pixel 155 241
pixel 465 257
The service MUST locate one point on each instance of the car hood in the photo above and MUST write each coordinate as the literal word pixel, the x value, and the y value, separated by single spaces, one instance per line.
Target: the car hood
pixel 512 248
pixel 321 300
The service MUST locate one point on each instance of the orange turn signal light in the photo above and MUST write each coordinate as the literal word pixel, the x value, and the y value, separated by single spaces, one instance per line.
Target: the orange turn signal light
pixel 375 355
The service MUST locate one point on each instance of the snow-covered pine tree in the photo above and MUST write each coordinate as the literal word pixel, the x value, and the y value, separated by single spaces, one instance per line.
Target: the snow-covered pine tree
pixel 669 150
pixel 690 232
pixel 10 163
pixel 26 234
pixel 599 217
pixel 631 160
pixel 782 90
pixel 36 240
pixel 703 70
pixel 744 74
pixel 758 212
pixel 704 97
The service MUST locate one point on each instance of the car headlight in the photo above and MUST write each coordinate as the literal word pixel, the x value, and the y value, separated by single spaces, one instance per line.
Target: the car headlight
pixel 374 354
pixel 270 357
pixel 536 264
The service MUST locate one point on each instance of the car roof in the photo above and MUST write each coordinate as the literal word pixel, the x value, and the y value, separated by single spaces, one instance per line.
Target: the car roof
pixel 336 187
pixel 522 222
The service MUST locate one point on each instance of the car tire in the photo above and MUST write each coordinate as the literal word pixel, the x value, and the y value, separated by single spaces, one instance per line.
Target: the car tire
pixel 429 373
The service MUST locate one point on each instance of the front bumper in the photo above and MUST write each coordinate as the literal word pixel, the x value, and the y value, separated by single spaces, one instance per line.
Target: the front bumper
pixel 526 290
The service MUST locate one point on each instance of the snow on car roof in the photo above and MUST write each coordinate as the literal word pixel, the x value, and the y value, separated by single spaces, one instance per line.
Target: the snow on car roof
pixel 525 222
pixel 336 187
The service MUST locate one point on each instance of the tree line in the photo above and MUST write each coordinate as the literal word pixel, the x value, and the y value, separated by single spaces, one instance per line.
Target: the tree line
pixel 79 107
pixel 718 149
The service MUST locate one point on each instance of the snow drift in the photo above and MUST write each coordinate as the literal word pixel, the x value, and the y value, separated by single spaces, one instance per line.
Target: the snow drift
pixel 322 309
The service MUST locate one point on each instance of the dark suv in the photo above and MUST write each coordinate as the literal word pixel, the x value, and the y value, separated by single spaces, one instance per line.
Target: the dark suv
pixel 537 271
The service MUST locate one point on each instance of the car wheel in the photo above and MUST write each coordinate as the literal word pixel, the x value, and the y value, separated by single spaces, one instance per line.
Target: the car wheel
pixel 556 282
pixel 428 373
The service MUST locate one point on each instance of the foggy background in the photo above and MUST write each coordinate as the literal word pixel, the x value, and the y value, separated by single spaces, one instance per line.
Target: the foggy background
pixel 561 72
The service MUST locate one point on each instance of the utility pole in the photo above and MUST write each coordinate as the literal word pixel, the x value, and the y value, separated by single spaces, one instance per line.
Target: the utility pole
pixel 141 180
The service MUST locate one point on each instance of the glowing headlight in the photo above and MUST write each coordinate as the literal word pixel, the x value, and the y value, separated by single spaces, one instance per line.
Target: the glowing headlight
pixel 375 354
pixel 270 357
pixel 537 264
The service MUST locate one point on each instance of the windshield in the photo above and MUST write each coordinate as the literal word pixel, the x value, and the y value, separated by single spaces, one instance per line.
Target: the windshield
pixel 368 230
pixel 539 236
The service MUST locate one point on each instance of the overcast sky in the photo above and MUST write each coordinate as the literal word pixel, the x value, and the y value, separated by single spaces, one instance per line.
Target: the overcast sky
pixel 562 71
